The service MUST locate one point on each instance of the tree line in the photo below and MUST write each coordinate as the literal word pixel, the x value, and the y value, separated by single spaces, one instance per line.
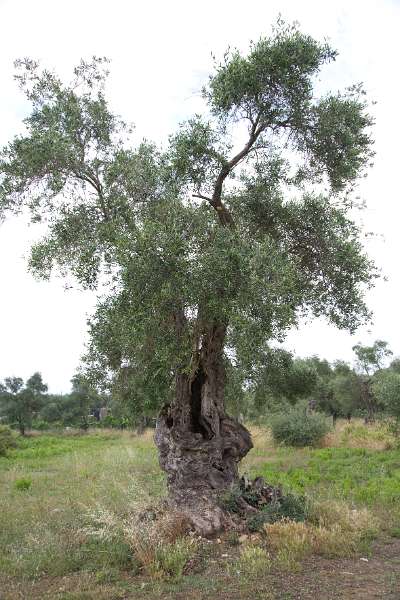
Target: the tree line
pixel 368 390
pixel 27 405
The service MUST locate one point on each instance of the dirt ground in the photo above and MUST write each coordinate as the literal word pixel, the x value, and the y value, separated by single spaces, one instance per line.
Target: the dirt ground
pixel 373 578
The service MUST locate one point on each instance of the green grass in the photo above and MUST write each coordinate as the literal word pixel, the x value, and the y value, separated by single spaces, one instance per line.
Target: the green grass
pixel 41 527
pixel 366 477
pixel 44 525
pixel 30 450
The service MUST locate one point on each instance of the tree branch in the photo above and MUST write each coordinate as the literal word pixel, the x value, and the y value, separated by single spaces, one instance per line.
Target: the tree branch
pixel 202 197
pixel 95 183
pixel 224 215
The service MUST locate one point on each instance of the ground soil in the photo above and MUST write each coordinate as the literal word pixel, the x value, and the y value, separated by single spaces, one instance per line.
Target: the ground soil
pixel 375 577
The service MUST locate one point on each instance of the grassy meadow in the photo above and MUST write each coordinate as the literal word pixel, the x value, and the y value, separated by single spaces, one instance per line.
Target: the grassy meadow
pixel 75 522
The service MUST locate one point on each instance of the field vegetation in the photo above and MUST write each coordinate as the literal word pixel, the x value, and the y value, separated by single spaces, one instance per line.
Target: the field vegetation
pixel 82 516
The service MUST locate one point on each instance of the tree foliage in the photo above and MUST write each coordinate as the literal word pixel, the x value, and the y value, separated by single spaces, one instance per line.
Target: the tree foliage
pixel 19 402
pixel 386 389
pixel 370 361
pixel 199 232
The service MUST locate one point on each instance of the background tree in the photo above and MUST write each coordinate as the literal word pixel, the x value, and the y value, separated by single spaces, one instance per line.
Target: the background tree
pixel 52 409
pixel 345 386
pixel 370 360
pixel 337 389
pixel 283 380
pixel 386 389
pixel 82 399
pixel 213 247
pixel 19 403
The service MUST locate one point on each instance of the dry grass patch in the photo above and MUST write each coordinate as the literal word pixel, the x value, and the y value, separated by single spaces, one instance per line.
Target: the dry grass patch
pixel 158 540
pixel 253 561
pixel 357 434
pixel 290 542
pixel 335 530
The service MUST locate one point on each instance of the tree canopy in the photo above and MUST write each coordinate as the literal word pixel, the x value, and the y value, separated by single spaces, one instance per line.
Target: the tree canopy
pixel 250 234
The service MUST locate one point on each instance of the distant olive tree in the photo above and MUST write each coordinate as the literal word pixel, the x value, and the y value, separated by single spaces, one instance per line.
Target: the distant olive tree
pixel 370 361
pixel 19 402
pixel 386 388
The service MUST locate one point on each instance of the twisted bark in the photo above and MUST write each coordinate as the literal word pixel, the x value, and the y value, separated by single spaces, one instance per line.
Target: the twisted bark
pixel 199 445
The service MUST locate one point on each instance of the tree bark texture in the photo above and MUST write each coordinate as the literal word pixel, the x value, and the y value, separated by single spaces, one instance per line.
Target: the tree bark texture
pixel 199 445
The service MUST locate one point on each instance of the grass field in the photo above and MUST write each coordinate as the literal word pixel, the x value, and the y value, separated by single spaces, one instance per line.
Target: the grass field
pixel 70 526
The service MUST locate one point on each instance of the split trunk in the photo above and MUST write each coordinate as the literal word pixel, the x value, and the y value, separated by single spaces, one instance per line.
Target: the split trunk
pixel 199 445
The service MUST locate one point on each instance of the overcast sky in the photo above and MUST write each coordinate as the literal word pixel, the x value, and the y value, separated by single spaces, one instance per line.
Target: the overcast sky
pixel 161 56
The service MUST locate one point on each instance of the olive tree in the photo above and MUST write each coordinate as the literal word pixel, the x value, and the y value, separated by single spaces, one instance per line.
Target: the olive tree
pixel 212 247
pixel 370 361
pixel 19 402
pixel 386 388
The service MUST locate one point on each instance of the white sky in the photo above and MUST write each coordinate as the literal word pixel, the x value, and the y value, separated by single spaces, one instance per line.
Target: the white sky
pixel 161 56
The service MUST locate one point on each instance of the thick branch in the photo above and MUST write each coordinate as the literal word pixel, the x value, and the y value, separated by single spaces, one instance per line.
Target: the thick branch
pixel 96 185
pixel 215 201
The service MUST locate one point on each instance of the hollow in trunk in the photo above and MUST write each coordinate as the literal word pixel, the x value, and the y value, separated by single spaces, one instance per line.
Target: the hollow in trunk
pixel 199 445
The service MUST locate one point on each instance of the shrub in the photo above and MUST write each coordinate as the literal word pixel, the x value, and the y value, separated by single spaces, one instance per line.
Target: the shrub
pixel 288 507
pixel 299 428
pixel 7 440
pixel 232 500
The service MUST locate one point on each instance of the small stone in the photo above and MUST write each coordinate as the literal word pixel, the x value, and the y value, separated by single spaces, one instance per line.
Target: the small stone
pixel 364 559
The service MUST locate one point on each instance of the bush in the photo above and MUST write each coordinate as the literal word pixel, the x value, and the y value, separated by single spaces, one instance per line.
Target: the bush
pixel 7 440
pixel 299 428
pixel 288 507
pixel 232 500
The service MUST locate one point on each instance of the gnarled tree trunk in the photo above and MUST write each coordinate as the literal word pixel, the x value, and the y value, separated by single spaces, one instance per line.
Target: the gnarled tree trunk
pixel 199 445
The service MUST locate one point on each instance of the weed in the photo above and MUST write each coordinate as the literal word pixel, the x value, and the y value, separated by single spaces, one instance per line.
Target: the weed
pixel 22 485
pixel 395 532
pixel 252 562
pixel 233 538
pixel 335 530
pixel 233 500
pixel 108 575
pixel 290 540
pixel 171 559
pixel 362 476
pixel 290 506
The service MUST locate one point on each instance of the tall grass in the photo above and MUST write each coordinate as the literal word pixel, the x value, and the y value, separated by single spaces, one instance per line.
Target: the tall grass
pixel 83 510
pixel 41 529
